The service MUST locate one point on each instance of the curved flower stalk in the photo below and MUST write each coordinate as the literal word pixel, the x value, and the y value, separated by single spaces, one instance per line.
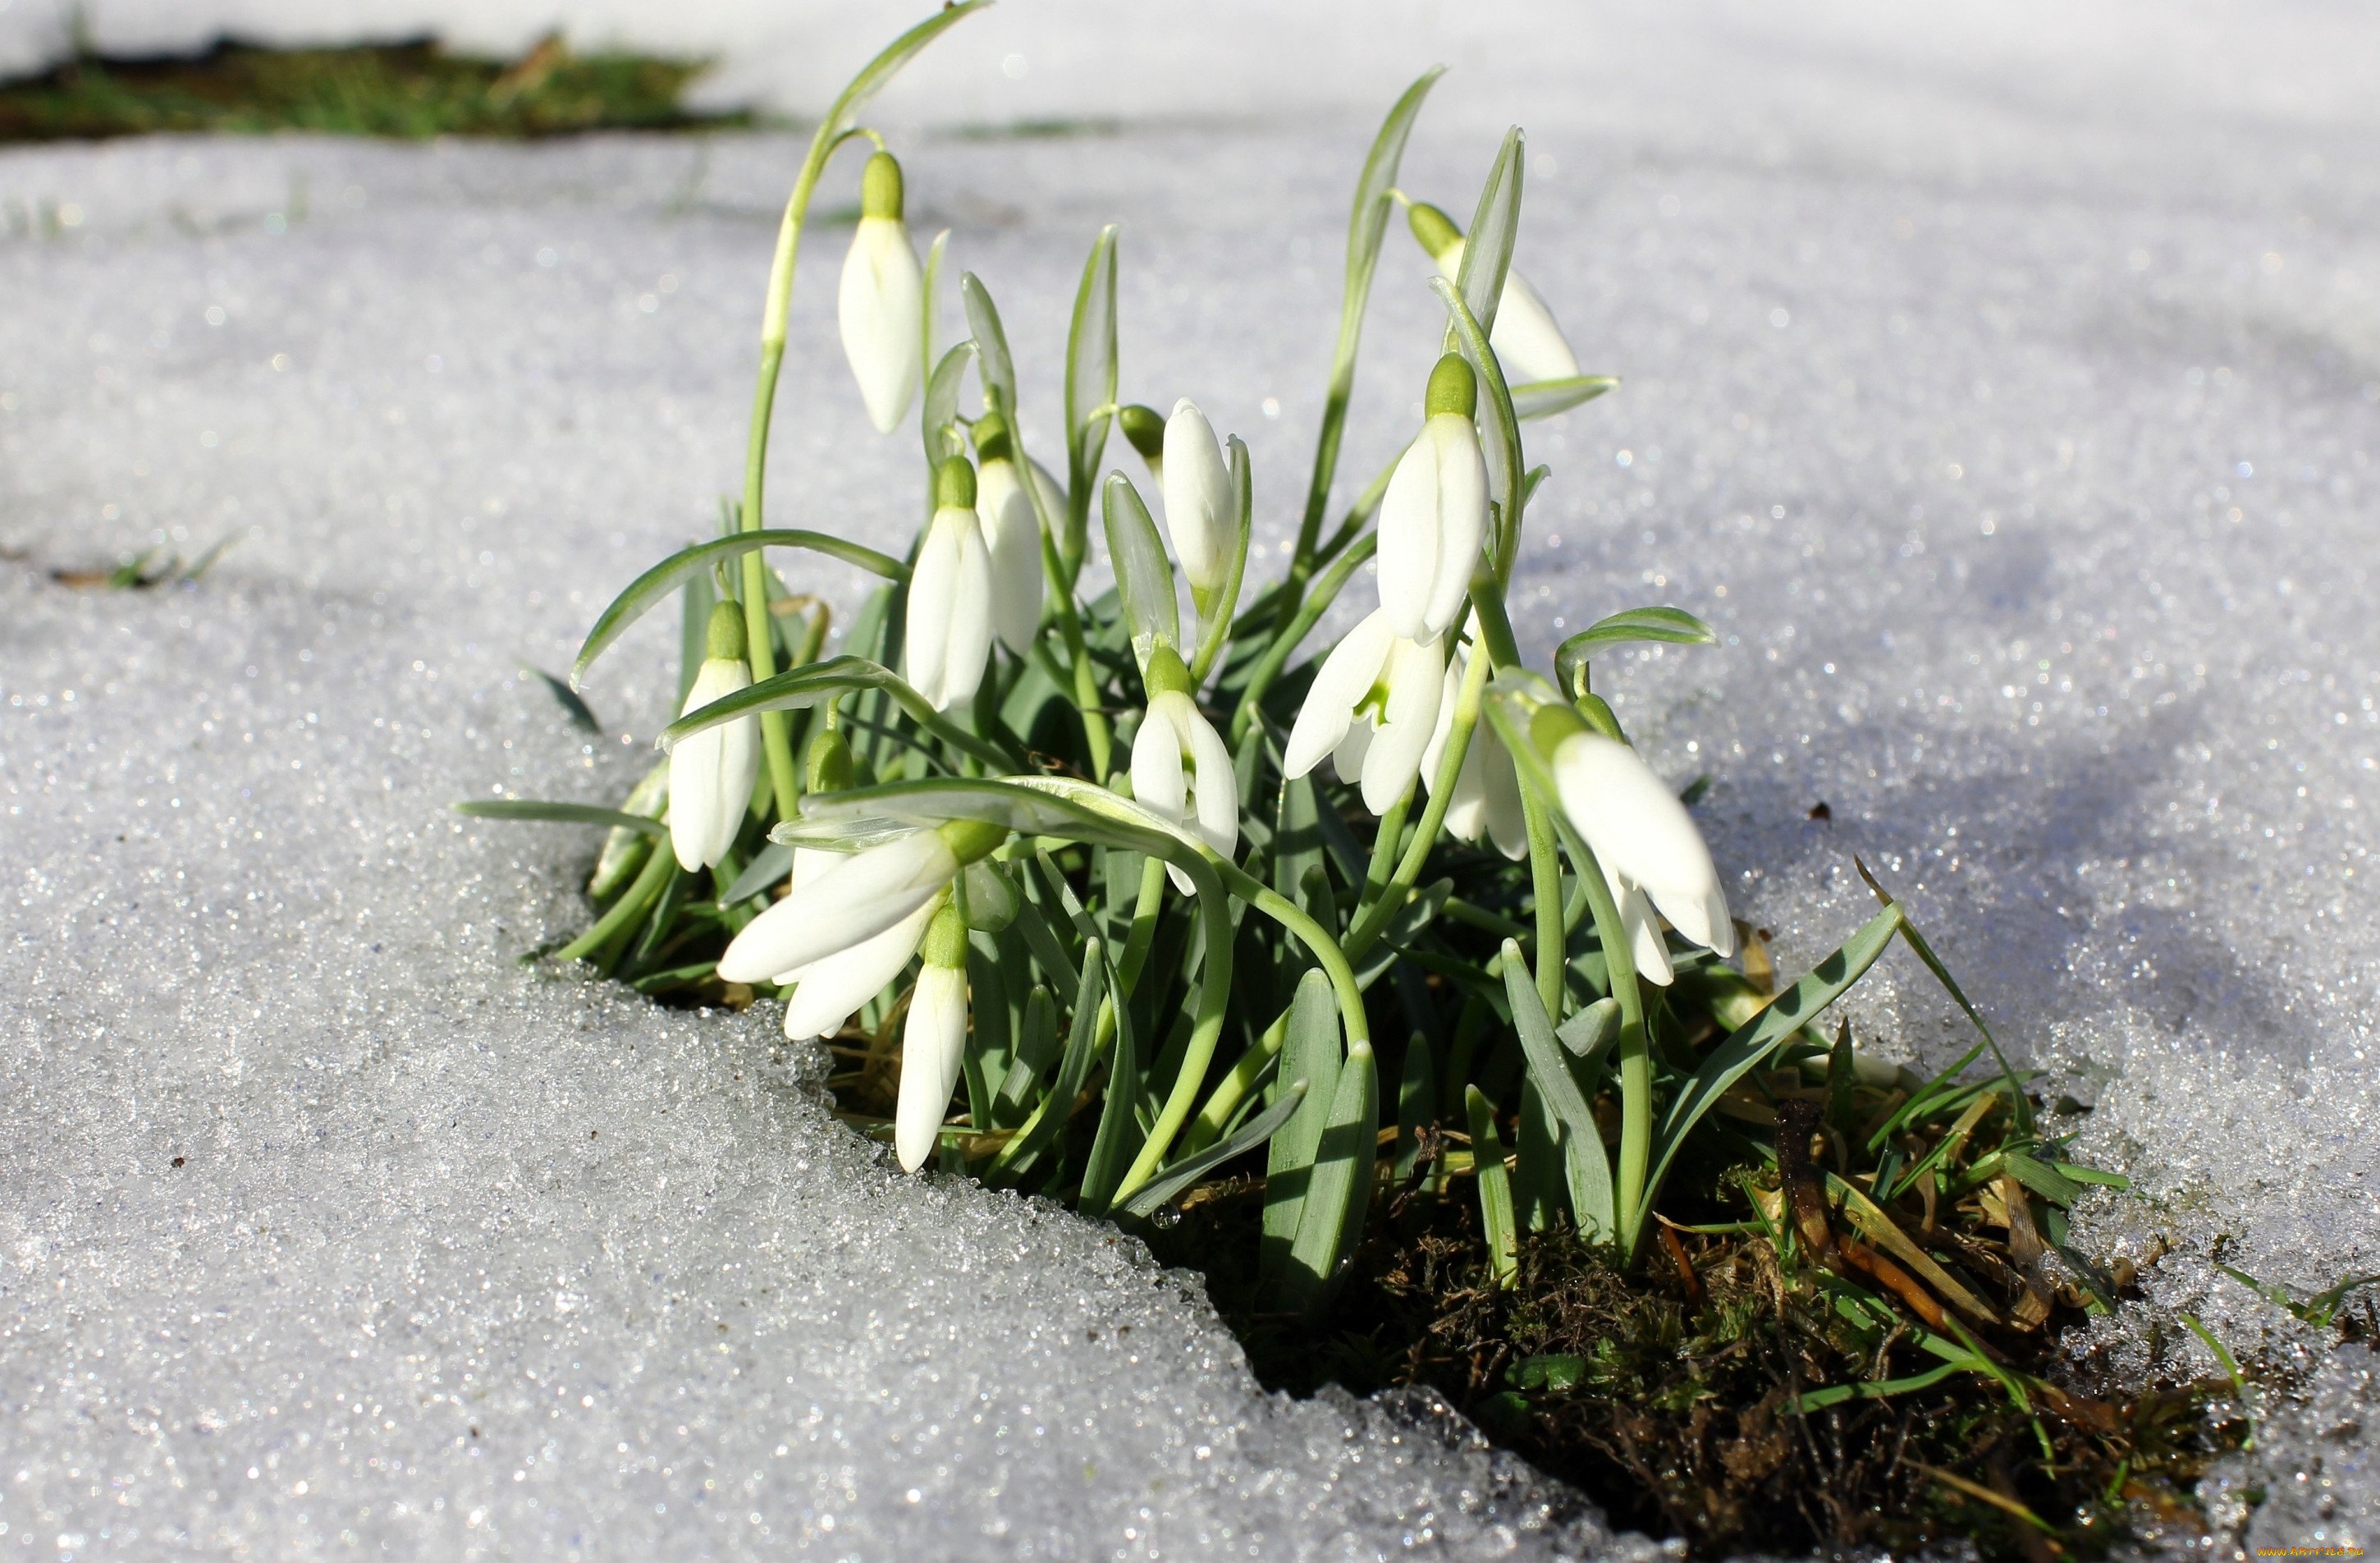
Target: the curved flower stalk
pixel 711 774
pixel 933 1042
pixel 947 638
pixel 1373 708
pixel 1435 515
pixel 881 304
pixel 1180 768
pixel 1527 342
pixel 1487 796
pixel 1011 535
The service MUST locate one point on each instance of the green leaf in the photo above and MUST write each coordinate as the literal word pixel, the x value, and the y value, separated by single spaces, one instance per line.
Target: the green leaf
pixel 1340 1192
pixel 1668 626
pixel 2043 1180
pixel 1557 1371
pixel 558 813
pixel 1543 398
pixel 1160 1191
pixel 1017 1156
pixel 939 419
pixel 578 710
pixel 1119 1137
pixel 1591 1031
pixel 1091 362
pixel 1218 614
pixel 1758 1038
pixel 1037 1048
pixel 661 579
pixel 822 683
pixel 1550 1066
pixel 1874 1389
pixel 991 344
pixel 1495 225
pixel 1494 1188
pixel 770 864
pixel 1309 1058
pixel 1420 909
pixel 1144 575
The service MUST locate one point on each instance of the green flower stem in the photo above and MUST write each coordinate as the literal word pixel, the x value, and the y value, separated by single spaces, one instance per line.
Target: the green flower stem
pixel 1085 685
pixel 1374 921
pixel 1385 842
pixel 1633 1049
pixel 1234 1088
pixel 1286 643
pixel 1317 939
pixel 1214 1005
pixel 1545 880
pixel 776 736
pixel 626 910
pixel 1143 922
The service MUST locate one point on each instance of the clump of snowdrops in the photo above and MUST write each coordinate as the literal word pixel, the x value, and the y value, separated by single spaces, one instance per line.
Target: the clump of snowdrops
pixel 1111 895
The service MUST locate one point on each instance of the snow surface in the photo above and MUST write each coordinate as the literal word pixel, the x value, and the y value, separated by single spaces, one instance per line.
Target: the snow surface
pixel 2007 393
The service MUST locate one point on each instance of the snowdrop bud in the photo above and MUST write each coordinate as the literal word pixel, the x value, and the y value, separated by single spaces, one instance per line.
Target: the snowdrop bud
pixel 1373 708
pixel 712 773
pixel 1181 768
pixel 1486 799
pixel 947 638
pixel 1145 430
pixel 1646 841
pixel 1434 517
pixel 881 306
pixel 858 898
pixel 1011 535
pixel 933 1044
pixel 1199 518
pixel 1528 344
pixel 827 768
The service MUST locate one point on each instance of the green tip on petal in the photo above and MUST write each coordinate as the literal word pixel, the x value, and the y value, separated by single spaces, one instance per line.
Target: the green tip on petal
pixel 724 641
pixel 1453 388
pixel 1166 672
pixel 992 441
pixel 1433 227
pixel 954 484
pixel 880 187
pixel 827 764
pixel 946 938
pixel 1144 428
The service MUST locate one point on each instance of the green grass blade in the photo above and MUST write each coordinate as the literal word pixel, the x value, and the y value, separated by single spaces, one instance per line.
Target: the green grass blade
pixel 941 417
pixel 1494 1188
pixel 1543 398
pixel 558 813
pixel 1091 363
pixel 1874 1389
pixel 1665 626
pixel 1159 1192
pixel 650 588
pixel 991 346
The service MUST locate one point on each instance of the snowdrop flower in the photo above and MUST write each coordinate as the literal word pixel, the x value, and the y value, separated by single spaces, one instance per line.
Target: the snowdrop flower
pixel 712 773
pixel 1486 799
pixel 934 1040
pixel 1651 852
pixel 1435 515
pixel 1202 796
pixel 1012 536
pixel 948 635
pixel 1200 515
pixel 882 307
pixel 1528 343
pixel 1144 432
pixel 1394 686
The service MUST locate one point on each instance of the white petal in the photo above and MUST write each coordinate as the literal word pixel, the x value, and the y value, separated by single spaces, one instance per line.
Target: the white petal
pixel 853 901
pixel 1643 834
pixel 881 311
pixel 1436 752
pixel 1011 535
pixel 1409 540
pixel 1414 674
pixel 1158 780
pixel 1216 790
pixel 1528 343
pixel 1646 945
pixel 1347 759
pixel 1461 517
pixel 933 1044
pixel 828 992
pixel 706 809
pixel 970 626
pixel 924 631
pixel 1345 677
pixel 1197 488
pixel 1507 825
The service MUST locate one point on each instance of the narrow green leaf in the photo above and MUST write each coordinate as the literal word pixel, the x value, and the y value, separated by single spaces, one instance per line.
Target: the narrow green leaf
pixel 1758 1038
pixel 694 620
pixel 1543 398
pixel 824 682
pixel 1588 1164
pixel 1668 626
pixel 1416 1100
pixel 939 419
pixel 2042 1179
pixel 1091 362
pixel 992 345
pixel 1494 1188
pixel 1309 1056
pixel 1017 1156
pixel 658 583
pixel 1495 225
pixel 581 714
pixel 1340 1193
pixel 770 864
pixel 1217 628
pixel 1037 1049
pixel 1119 1137
pixel 1874 1389
pixel 1144 575
pixel 878 71
pixel 1421 909
pixel 1160 1191
pixel 1591 1031
pixel 558 813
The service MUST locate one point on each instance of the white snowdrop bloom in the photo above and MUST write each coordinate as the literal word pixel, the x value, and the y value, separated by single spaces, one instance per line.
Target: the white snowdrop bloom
pixel 828 993
pixel 1012 536
pixel 858 898
pixel 1651 852
pixel 1180 766
pixel 1434 516
pixel 1486 799
pixel 1200 517
pixel 947 637
pixel 1527 343
pixel 933 1043
pixel 881 306
pixel 712 773
pixel 1372 708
